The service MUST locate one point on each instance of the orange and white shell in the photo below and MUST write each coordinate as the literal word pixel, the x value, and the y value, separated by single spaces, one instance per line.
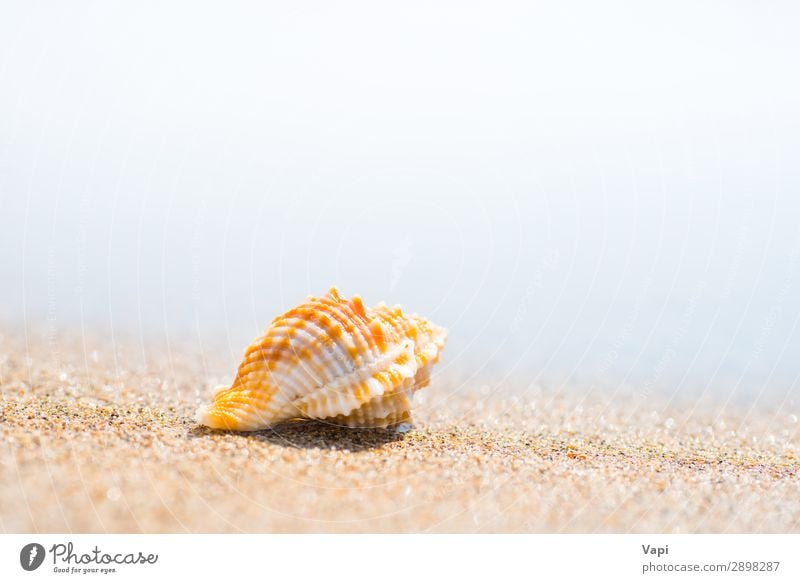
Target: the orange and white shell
pixel 331 359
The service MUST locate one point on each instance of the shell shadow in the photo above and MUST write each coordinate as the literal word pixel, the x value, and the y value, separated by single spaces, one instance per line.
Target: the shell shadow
pixel 309 434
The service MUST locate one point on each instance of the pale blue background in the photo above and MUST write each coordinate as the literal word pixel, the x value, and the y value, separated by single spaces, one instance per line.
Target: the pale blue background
pixel 590 193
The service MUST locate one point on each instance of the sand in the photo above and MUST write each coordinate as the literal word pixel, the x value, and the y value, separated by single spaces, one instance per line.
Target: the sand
pixel 97 437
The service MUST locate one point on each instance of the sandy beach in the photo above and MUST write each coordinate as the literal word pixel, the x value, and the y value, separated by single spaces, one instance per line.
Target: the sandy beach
pixel 101 438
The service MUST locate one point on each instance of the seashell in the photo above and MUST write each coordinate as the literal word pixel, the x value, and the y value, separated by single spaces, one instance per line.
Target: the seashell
pixel 330 358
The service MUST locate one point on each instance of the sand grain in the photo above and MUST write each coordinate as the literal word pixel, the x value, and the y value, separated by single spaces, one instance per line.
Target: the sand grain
pixel 94 441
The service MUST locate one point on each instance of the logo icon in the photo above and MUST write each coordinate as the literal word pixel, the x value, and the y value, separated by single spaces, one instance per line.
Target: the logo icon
pixel 31 556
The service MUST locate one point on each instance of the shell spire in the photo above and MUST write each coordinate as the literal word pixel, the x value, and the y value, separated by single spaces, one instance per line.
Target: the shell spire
pixel 330 358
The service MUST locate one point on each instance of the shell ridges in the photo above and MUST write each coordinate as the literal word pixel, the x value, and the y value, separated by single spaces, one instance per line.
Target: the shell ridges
pixel 333 359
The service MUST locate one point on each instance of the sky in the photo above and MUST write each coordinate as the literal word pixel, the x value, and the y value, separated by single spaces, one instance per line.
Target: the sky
pixel 585 194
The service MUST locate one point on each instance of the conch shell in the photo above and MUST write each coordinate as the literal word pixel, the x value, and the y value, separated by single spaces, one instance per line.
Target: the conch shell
pixel 331 359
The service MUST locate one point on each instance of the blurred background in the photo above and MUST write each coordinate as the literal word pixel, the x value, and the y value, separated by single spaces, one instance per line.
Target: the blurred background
pixel 587 194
